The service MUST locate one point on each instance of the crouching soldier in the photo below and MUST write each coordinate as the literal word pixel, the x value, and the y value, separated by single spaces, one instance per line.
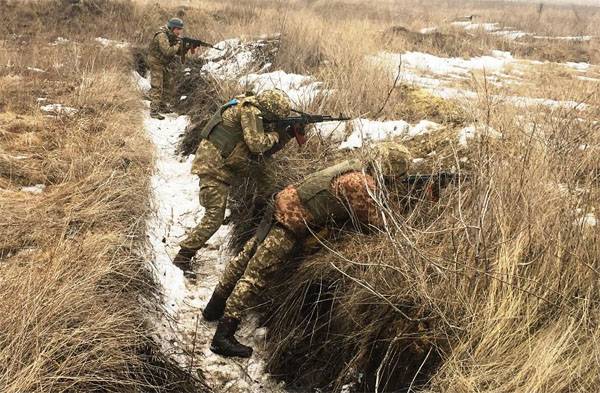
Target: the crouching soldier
pixel 231 143
pixel 162 52
pixel 327 198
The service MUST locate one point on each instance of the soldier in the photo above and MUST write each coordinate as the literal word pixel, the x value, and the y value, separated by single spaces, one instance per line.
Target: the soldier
pixel 231 143
pixel 326 198
pixel 163 49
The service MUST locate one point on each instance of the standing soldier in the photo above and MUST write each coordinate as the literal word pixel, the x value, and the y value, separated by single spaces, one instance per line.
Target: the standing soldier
pixel 163 49
pixel 231 143
pixel 327 198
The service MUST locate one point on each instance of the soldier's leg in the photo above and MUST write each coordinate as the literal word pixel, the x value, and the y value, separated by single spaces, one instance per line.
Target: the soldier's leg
pixel 233 272
pixel 213 197
pixel 269 257
pixel 168 87
pixel 156 86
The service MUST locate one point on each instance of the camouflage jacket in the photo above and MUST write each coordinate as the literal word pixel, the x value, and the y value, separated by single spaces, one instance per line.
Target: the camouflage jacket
pixel 165 45
pixel 244 118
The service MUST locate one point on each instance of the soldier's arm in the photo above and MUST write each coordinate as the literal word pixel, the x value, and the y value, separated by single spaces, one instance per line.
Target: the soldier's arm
pixel 357 189
pixel 165 47
pixel 256 138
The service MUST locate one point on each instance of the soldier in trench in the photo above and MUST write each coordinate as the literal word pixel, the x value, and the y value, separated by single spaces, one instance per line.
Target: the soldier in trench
pixel 234 144
pixel 329 197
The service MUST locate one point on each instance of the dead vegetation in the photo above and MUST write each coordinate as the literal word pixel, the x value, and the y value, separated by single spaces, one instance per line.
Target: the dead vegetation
pixel 493 289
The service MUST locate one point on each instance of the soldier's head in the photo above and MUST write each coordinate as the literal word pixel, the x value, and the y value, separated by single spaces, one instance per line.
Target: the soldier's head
pixel 390 159
pixel 274 104
pixel 176 26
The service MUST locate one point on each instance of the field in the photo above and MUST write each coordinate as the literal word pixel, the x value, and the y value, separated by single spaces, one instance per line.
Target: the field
pixel 494 288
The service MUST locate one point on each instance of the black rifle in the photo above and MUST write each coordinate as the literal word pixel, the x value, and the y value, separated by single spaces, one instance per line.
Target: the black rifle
pixel 432 184
pixel 295 124
pixel 188 43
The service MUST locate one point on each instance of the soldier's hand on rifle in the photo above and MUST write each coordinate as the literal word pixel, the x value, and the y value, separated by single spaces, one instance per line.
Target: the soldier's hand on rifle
pixel 297 131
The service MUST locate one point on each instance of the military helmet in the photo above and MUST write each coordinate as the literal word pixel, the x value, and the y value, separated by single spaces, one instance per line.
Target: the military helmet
pixel 274 102
pixel 391 158
pixel 175 23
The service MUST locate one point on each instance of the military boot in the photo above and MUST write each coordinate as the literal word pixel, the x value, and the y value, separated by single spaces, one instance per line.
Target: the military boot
pixel 224 342
pixel 215 307
pixel 183 260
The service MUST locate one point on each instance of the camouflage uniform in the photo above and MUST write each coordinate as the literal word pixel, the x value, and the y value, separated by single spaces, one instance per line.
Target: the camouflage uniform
pixel 163 49
pixel 327 198
pixel 231 142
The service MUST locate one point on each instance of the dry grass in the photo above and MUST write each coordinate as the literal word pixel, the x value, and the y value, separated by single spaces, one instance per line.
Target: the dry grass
pixel 74 284
pixel 493 289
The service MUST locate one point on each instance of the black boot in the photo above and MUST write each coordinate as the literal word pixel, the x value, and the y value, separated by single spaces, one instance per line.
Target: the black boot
pixel 215 307
pixel 183 260
pixel 224 342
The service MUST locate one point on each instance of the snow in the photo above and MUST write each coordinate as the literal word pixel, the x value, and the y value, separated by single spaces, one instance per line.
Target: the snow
pixel 451 65
pixel 37 189
pixel 142 83
pixel 365 130
pixel 33 69
pixel 58 109
pixel 578 66
pixel 580 38
pixel 428 30
pixel 59 41
pixel 182 98
pixel 472 131
pixel 301 89
pixel 585 220
pixel 105 42
pixel 234 58
pixel 511 34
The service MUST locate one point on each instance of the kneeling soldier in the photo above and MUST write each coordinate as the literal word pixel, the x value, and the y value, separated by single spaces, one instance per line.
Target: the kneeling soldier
pixel 326 198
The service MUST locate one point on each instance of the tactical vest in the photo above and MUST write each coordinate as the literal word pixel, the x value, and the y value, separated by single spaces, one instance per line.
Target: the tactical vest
pixel 315 193
pixel 224 138
pixel 154 49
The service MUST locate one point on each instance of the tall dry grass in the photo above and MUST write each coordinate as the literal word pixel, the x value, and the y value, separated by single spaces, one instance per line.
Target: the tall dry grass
pixel 76 292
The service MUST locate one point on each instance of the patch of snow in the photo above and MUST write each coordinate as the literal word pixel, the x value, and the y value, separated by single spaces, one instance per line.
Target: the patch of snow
pixel 182 98
pixel 105 42
pixel 580 38
pixel 59 41
pixel 578 66
pixel 511 34
pixel 41 99
pixel 587 78
pixel 234 58
pixel 58 109
pixel 585 220
pixel 39 70
pixel 453 65
pixel 372 130
pixel 428 30
pixel 301 89
pixel 334 130
pixel 472 131
pixel 424 127
pixel 142 83
pixel 37 189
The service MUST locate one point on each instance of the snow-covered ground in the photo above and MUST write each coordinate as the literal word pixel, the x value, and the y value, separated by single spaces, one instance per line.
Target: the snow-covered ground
pixel 510 33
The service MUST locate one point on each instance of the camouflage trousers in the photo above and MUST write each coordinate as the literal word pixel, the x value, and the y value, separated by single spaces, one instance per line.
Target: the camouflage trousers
pixel 213 197
pixel 247 275
pixel 161 85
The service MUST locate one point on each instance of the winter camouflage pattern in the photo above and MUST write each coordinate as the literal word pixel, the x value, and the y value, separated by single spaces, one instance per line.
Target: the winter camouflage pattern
pixel 270 257
pixel 213 197
pixel 161 52
pixel 274 103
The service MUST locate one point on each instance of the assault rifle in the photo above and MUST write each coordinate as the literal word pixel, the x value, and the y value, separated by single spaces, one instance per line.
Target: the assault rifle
pixel 295 124
pixel 188 43
pixel 432 184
